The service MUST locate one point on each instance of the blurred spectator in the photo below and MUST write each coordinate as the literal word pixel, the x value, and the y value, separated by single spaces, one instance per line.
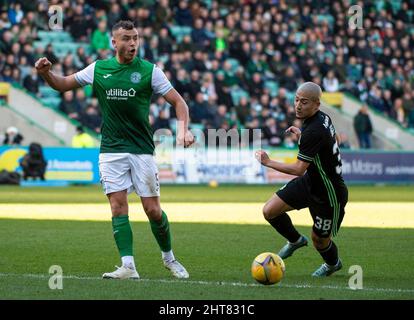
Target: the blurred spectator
pixel 183 15
pixel 165 44
pixel 353 69
pixel 256 85
pixel 80 98
pixel 397 112
pixel 12 137
pixel 70 106
pixel 222 90
pixel 330 82
pixel 387 100
pixel 219 117
pixel 242 109
pixel 6 75
pixel 16 78
pixel 80 59
pixel 290 142
pixel 160 110
pixel 82 139
pixel 91 118
pixel 162 121
pixel 363 128
pixel 163 14
pixel 199 109
pixel 24 68
pixel 33 163
pixel 375 100
pixel 100 38
pixel 408 102
pixel 271 134
pixel 15 13
pixel 199 34
pixel 78 23
pixel 50 55
pixel 208 88
pixel 114 14
pixel 410 120
pixel 288 80
pixel 186 44
pixel 31 82
pixel 343 141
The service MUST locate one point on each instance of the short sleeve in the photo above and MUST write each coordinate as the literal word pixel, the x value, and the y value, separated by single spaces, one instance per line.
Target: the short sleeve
pixel 309 145
pixel 160 83
pixel 85 76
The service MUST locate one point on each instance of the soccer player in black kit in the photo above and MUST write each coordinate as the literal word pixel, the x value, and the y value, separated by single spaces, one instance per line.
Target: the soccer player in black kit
pixel 319 185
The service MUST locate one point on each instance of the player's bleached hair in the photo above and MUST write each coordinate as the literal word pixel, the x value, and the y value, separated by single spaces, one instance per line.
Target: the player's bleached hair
pixel 123 24
pixel 311 88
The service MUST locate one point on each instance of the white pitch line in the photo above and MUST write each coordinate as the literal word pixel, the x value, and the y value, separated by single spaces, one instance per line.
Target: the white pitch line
pixel 216 283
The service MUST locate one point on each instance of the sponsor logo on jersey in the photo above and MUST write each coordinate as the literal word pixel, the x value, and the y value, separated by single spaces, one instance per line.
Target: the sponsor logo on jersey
pixel 332 130
pixel 107 75
pixel 135 77
pixel 326 122
pixel 120 94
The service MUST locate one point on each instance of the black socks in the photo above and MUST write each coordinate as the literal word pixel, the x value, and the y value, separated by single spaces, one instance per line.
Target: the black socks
pixel 330 254
pixel 284 226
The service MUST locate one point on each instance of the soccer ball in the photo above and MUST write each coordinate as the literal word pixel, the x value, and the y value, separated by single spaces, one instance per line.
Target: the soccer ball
pixel 213 184
pixel 268 268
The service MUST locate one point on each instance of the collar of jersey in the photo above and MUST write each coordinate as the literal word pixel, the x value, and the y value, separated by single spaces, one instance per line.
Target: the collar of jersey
pixel 312 117
pixel 125 64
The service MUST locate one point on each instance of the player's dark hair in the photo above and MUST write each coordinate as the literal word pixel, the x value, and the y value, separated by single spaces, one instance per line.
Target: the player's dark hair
pixel 123 24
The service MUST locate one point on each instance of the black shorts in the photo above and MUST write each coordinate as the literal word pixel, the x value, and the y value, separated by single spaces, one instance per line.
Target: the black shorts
pixel 327 214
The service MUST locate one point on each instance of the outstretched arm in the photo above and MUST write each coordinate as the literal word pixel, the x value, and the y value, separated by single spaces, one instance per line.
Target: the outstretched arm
pixel 297 169
pixel 57 82
pixel 184 136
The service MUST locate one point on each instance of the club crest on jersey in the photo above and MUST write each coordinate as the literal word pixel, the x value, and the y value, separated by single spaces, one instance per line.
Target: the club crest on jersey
pixel 135 77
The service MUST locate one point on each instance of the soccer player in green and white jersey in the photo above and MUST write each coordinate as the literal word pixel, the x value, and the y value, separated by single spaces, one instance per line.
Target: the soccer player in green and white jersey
pixel 124 85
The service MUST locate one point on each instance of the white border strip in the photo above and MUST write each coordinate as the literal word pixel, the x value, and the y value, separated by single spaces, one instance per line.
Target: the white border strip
pixel 216 283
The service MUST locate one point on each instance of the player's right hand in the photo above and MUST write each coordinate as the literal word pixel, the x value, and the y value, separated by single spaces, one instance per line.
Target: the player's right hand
pixel 294 130
pixel 43 66
pixel 185 139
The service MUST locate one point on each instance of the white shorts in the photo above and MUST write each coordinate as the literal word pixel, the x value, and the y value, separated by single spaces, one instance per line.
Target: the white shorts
pixel 131 172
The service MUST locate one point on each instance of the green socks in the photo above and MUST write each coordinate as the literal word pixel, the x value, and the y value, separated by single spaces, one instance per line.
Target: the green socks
pixel 161 231
pixel 123 235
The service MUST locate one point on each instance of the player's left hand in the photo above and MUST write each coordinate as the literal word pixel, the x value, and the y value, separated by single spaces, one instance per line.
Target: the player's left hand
pixel 186 139
pixel 262 157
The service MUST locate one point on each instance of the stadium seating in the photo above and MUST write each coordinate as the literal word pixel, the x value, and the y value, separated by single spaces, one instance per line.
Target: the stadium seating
pixel 237 93
pixel 52 102
pixel 357 83
pixel 179 32
pixel 273 87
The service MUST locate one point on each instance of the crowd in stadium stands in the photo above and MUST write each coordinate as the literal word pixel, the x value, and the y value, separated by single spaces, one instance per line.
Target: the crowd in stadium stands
pixel 238 65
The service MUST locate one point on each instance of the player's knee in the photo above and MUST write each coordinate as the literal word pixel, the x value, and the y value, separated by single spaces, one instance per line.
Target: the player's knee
pixel 119 208
pixel 153 212
pixel 320 243
pixel 269 212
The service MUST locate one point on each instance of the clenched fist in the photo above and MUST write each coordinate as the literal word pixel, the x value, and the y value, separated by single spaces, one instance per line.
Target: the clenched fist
pixel 186 139
pixel 43 66
pixel 262 157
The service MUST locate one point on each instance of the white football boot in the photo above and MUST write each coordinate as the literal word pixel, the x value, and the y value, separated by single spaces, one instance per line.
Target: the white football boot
pixel 122 273
pixel 177 269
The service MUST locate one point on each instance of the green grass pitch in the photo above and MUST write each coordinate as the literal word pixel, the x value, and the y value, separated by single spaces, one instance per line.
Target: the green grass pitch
pixel 218 256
